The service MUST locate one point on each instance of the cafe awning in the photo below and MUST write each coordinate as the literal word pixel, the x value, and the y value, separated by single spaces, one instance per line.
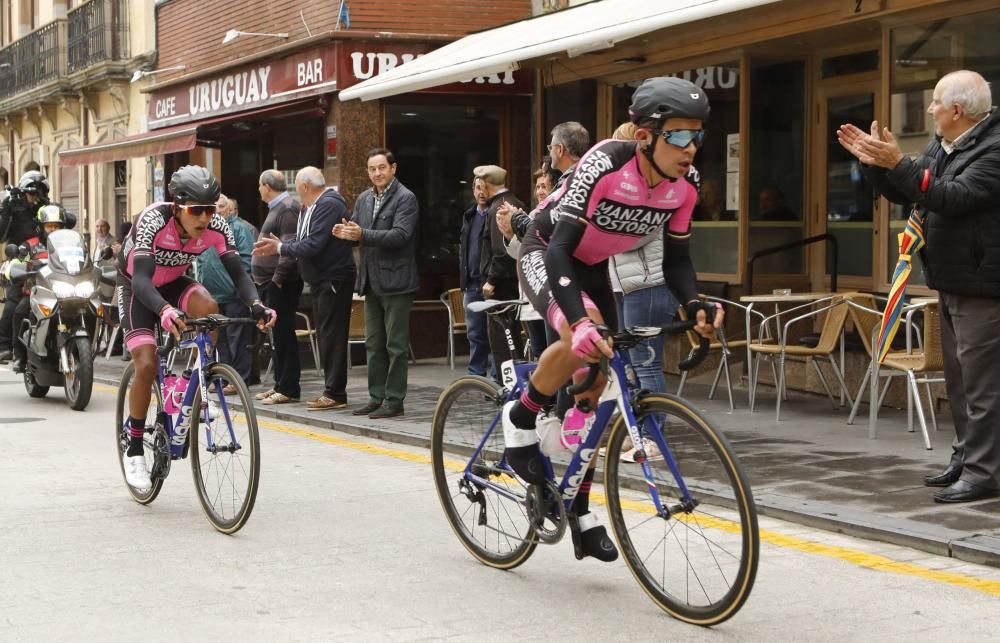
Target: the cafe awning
pixel 178 138
pixel 593 26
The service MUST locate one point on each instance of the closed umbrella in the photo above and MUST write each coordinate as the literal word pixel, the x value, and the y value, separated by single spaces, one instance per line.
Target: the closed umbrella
pixel 911 239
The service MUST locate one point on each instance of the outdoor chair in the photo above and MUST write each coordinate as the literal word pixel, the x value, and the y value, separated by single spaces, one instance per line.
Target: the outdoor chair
pixel 836 309
pixel 916 365
pixel 724 346
pixel 307 334
pixel 454 301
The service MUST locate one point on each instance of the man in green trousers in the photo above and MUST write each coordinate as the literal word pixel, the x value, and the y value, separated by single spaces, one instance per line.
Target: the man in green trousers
pixel 384 225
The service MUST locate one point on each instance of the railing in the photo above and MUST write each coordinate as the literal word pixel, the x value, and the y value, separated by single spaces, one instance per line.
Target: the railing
pixel 748 278
pixel 33 60
pixel 98 31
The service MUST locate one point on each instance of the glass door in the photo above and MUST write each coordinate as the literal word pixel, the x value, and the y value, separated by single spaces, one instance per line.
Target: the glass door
pixel 846 201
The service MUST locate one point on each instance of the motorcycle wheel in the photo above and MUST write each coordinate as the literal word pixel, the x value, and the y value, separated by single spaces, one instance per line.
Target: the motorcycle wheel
pixel 33 388
pixel 80 379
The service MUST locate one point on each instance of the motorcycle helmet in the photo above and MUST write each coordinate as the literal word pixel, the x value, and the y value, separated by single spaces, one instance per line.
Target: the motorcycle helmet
pixel 194 184
pixel 52 213
pixel 34 182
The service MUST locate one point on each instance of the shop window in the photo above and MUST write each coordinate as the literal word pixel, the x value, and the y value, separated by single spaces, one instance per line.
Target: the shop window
pixel 121 193
pixel 436 148
pixel 921 55
pixel 777 159
pixel 715 241
pixel 576 101
pixel 855 63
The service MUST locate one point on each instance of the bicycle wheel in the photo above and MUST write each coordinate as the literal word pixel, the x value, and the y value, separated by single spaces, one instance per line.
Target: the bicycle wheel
pixel 489 519
pixel 122 435
pixel 225 452
pixel 699 562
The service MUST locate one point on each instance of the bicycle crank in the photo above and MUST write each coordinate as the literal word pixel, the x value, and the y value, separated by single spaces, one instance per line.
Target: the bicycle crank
pixel 546 512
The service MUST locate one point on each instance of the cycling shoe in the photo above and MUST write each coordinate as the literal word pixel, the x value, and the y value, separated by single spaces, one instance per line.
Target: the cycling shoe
pixel 590 538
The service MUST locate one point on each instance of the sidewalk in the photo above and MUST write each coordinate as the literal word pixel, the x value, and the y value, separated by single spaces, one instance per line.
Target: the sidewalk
pixel 811 468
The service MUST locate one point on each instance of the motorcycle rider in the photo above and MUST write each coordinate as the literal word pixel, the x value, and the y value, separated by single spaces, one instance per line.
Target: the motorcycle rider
pixel 50 218
pixel 18 223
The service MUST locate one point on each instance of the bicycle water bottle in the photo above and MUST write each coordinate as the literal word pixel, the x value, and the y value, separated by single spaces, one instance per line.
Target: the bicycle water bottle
pixel 169 381
pixel 180 386
pixel 573 430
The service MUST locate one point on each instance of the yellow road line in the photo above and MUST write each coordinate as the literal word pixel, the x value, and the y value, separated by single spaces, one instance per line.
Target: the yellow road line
pixel 853 556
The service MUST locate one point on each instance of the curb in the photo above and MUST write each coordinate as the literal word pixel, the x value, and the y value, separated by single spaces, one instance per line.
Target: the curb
pixel 969 547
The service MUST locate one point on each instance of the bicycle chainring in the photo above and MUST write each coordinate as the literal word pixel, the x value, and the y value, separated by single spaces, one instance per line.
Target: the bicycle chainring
pixel 546 512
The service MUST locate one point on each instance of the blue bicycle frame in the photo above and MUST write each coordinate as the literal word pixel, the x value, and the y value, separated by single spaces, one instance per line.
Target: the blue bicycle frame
pixel 613 397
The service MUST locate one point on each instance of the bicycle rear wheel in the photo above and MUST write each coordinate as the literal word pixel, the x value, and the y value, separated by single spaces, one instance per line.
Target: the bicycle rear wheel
pixel 225 452
pixel 488 517
pixel 122 434
pixel 698 562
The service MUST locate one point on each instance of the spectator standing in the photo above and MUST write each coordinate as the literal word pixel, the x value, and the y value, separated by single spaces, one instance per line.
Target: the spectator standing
pixel 471 282
pixel 384 225
pixel 326 263
pixel 499 269
pixel 956 183
pixel 280 286
pixel 234 341
pixel 103 239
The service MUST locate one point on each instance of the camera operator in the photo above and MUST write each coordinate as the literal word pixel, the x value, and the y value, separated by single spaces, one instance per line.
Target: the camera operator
pixel 18 223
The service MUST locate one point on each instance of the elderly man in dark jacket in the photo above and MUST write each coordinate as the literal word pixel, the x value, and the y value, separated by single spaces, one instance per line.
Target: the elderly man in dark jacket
pixel 384 224
pixel 957 183
pixel 327 265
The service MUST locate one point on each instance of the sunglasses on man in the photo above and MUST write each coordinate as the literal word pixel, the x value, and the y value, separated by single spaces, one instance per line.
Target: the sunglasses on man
pixel 682 137
pixel 197 210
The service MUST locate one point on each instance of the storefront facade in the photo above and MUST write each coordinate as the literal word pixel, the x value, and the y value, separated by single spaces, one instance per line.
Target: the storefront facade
pixel 781 78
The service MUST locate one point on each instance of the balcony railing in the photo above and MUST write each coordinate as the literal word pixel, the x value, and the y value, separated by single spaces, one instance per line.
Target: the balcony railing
pixel 33 60
pixel 98 31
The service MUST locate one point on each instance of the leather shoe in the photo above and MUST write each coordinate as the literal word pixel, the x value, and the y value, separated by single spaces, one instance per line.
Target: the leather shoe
pixel 384 412
pixel 964 491
pixel 371 407
pixel 948 477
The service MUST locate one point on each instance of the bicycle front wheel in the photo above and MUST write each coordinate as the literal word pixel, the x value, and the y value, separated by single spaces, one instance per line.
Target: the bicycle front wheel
pixel 696 558
pixel 225 450
pixel 149 439
pixel 484 503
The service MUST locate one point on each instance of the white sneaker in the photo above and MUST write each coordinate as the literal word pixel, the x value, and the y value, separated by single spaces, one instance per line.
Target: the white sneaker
pixel 514 437
pixel 136 474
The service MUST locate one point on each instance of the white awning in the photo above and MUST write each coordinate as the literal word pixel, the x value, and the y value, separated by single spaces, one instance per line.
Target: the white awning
pixel 589 27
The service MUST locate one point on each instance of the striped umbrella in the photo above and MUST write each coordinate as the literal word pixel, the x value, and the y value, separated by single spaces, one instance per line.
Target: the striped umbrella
pixel 911 239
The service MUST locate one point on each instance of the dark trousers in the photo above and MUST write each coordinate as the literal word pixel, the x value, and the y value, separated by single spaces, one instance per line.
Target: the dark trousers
pixel 970 345
pixel 479 342
pixel 332 303
pixel 14 295
pixel 387 343
pixel 504 327
pixel 285 351
pixel 235 341
pixel 537 336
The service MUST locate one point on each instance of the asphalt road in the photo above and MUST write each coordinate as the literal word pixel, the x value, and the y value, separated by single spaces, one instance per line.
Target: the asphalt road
pixel 348 542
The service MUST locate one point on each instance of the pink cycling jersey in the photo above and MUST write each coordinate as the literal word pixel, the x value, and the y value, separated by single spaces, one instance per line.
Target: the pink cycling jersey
pixel 609 192
pixel 155 233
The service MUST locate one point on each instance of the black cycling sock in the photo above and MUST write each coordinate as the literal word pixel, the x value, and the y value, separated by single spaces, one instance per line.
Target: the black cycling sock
pixel 581 504
pixel 526 410
pixel 137 426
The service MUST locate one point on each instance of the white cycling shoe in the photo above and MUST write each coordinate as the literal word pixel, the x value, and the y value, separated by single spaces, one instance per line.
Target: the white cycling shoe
pixel 136 474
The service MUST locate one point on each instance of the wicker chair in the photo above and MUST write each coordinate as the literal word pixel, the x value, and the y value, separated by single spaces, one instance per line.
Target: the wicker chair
pixel 916 365
pixel 831 334
pixel 454 301
pixel 356 331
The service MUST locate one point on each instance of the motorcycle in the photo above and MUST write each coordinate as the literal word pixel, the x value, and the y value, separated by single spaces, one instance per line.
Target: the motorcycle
pixel 65 302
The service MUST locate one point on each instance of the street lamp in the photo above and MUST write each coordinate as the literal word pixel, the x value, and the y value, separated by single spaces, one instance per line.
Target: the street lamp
pixel 141 73
pixel 233 34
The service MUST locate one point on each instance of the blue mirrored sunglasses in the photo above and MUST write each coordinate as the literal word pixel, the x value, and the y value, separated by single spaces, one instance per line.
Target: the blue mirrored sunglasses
pixel 682 137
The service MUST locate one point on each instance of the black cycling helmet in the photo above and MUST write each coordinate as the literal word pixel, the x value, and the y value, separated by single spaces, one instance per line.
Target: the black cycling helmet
pixel 193 183
pixel 666 97
pixel 33 182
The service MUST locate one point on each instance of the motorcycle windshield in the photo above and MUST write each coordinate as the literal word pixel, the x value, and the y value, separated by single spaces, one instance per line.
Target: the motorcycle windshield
pixel 67 252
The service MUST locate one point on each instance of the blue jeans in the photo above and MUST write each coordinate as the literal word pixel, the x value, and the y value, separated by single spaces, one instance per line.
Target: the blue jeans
pixel 479 341
pixel 652 306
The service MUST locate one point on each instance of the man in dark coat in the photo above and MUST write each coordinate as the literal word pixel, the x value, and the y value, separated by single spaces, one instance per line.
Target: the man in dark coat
pixel 470 279
pixel 384 225
pixel 956 182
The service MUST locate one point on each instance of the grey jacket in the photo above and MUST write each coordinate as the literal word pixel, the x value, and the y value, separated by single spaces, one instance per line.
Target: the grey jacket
pixel 388 245
pixel 641 267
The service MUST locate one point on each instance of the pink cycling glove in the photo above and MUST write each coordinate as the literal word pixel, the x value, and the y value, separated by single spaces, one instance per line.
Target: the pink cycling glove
pixel 169 315
pixel 585 338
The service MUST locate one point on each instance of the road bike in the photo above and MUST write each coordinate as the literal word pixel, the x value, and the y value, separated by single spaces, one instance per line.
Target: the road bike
pixel 192 410
pixel 685 522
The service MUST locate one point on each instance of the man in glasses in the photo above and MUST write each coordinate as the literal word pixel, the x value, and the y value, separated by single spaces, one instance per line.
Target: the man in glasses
pixel 621 192
pixel 152 288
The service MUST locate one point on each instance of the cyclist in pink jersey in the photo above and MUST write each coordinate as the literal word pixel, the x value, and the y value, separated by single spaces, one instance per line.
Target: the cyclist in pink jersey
pixel 152 287
pixel 620 192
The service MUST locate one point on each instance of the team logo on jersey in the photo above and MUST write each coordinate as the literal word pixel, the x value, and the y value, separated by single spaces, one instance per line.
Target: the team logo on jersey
pixel 173 258
pixel 564 281
pixel 623 219
pixel 586 176
pixel 628 187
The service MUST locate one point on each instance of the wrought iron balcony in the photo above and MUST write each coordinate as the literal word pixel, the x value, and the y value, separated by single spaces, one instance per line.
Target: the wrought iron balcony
pixel 33 60
pixel 98 32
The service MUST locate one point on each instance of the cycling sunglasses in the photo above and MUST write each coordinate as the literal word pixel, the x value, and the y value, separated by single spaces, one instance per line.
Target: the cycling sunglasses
pixel 197 210
pixel 682 137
